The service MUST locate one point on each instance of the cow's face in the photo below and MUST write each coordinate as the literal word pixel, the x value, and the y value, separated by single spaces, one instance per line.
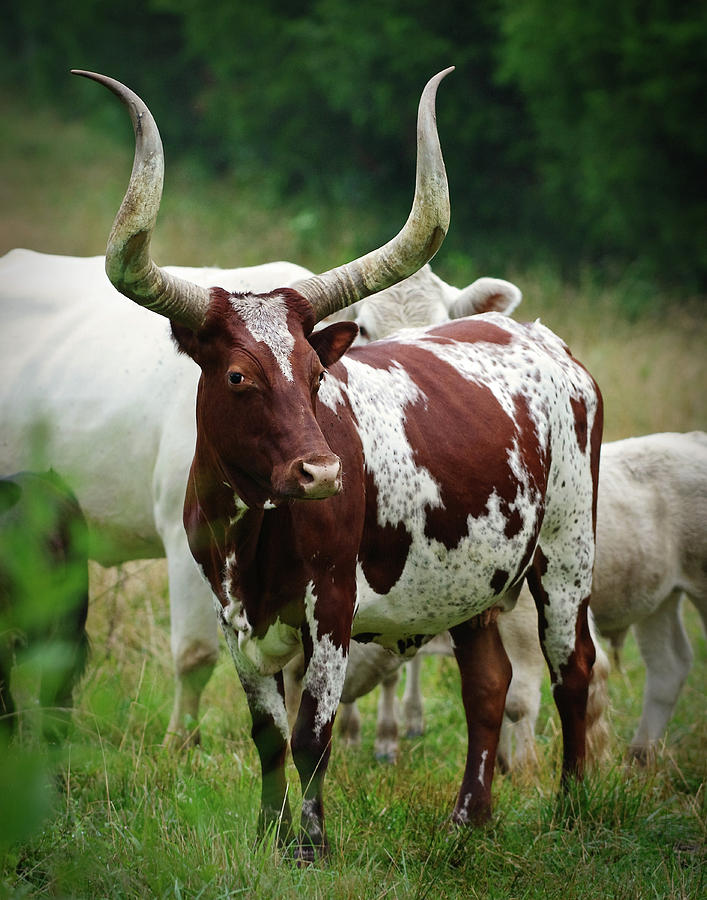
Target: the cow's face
pixel 256 406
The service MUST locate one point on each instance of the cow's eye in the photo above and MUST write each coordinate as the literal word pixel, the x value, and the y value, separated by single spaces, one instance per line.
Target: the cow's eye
pixel 235 378
pixel 321 376
pixel 363 331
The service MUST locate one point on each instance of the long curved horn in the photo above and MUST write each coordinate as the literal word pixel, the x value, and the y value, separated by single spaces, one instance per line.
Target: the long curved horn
pixel 128 262
pixel 416 243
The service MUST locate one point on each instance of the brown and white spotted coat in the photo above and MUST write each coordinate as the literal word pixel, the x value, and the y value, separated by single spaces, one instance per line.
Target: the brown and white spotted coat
pixel 468 457
pixel 447 465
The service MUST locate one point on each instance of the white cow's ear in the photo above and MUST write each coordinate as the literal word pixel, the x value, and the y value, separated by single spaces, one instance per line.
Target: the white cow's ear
pixel 486 295
pixel 331 343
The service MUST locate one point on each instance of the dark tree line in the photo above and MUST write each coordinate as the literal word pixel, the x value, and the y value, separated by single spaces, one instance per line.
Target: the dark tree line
pixel 571 131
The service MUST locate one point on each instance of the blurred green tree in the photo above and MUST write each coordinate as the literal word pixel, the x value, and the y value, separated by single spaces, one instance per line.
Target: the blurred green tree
pixel 615 92
pixel 575 132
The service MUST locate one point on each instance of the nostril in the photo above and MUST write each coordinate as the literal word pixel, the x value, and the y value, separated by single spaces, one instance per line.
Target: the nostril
pixel 320 477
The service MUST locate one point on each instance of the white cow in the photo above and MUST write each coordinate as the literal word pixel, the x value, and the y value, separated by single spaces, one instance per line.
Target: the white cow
pixel 424 299
pixel 651 550
pixel 93 387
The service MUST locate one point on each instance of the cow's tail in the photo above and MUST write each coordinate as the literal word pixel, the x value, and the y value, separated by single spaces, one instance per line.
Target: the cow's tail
pixel 598 731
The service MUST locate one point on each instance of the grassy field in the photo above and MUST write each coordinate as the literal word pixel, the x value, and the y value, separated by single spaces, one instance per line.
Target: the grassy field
pixel 114 815
pixel 128 819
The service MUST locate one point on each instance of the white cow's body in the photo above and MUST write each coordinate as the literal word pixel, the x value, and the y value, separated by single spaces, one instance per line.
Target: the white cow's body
pixel 92 386
pixel 424 299
pixel 651 549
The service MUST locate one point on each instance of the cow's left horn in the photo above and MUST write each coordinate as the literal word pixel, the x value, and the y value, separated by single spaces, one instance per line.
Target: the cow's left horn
pixel 128 262
pixel 417 242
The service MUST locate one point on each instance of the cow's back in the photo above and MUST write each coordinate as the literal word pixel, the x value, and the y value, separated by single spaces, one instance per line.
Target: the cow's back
pixel 652 524
pixel 472 456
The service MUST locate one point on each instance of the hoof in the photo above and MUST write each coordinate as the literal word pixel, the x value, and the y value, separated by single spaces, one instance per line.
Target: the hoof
pixel 180 739
pixel 386 756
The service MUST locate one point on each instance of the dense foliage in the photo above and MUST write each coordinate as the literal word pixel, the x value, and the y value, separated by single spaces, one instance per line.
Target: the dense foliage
pixel 574 132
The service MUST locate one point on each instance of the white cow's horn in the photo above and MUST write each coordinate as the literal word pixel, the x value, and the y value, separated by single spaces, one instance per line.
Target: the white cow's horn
pixel 417 242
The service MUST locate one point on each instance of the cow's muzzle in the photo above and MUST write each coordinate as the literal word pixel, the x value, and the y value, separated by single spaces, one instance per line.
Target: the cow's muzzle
pixel 312 477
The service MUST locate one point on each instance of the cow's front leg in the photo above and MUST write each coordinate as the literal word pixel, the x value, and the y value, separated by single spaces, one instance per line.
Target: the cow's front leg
pixel 266 701
pixel 485 676
pixel 326 654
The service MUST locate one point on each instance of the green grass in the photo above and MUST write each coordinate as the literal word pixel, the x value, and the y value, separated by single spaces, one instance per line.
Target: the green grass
pixel 114 815
pixel 129 819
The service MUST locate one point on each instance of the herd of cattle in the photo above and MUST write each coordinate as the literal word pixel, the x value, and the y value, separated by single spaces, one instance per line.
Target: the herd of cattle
pixel 450 456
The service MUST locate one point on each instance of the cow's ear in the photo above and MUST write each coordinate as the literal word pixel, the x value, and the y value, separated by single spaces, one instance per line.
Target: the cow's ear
pixel 485 295
pixel 187 341
pixel 332 342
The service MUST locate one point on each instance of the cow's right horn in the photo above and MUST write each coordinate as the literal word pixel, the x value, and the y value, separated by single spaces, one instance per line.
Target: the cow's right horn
pixel 414 245
pixel 128 262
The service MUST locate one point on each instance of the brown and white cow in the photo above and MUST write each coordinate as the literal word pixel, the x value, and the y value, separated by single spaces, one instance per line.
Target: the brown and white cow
pixel 447 464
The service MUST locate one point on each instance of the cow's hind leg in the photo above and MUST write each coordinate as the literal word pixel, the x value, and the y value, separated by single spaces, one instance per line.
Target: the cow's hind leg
pixel 562 600
pixel 413 713
pixel 386 746
pixel 485 676
pixel 667 655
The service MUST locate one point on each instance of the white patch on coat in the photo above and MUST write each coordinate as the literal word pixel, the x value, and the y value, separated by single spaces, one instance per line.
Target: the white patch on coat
pixel 326 672
pixel 482 767
pixel 379 400
pixel 266 319
pixel 311 821
pixel 233 615
pixel 267 654
pixel 261 689
pixel 241 510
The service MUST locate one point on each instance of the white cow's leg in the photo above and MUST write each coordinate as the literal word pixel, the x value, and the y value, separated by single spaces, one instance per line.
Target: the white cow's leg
pixel 194 639
pixel 349 719
pixel 521 714
pixel 504 753
pixel 667 655
pixel 413 713
pixel 598 732
pixel 386 746
pixel 518 629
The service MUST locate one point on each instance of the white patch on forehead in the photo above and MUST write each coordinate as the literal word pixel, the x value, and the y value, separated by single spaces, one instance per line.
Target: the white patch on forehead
pixel 266 319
